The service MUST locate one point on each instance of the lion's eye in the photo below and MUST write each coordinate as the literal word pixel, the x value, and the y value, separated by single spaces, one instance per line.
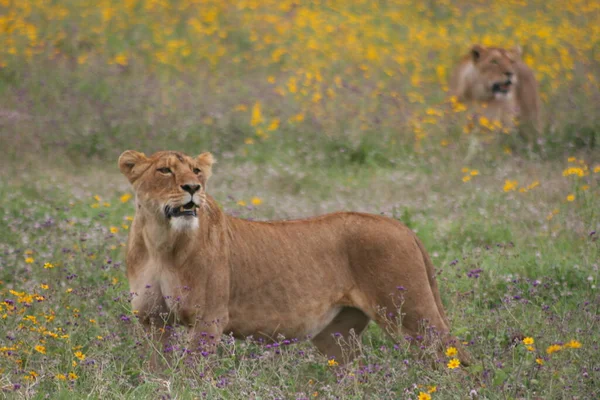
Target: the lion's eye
pixel 164 170
pixel 196 170
pixel 495 62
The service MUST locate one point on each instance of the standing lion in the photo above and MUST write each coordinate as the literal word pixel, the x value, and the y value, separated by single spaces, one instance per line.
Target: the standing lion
pixel 322 278
pixel 502 84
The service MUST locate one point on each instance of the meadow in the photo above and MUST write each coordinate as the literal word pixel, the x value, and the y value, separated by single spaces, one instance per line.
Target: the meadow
pixel 309 107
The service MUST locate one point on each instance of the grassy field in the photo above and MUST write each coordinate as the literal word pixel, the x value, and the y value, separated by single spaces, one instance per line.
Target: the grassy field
pixel 309 107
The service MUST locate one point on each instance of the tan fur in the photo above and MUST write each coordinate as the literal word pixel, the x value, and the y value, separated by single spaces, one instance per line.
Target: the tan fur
pixel 303 278
pixel 474 78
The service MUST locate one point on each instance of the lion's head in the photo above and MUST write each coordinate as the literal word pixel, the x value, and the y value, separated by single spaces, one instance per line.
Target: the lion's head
pixel 169 185
pixel 496 67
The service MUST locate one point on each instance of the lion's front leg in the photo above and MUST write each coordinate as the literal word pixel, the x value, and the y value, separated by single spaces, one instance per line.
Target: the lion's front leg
pixel 204 332
pixel 204 306
pixel 157 321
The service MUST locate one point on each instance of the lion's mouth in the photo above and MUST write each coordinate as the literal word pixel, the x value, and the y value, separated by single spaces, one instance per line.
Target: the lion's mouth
pixel 503 87
pixel 186 210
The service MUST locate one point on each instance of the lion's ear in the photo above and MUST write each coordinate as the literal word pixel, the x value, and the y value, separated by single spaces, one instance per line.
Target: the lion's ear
pixel 476 52
pixel 517 51
pixel 128 162
pixel 206 161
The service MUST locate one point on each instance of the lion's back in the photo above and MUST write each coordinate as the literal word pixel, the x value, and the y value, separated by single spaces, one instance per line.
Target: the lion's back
pixel 315 251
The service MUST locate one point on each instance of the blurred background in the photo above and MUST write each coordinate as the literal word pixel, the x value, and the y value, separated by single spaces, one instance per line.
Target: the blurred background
pixel 347 81
pixel 309 107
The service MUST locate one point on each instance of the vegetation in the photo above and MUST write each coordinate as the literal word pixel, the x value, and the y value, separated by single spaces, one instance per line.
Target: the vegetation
pixel 309 107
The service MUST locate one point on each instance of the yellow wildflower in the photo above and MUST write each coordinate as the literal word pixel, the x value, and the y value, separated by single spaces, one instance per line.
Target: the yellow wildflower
pixel 553 348
pixel 40 349
pixel 125 198
pixel 510 186
pixel 573 344
pixel 539 361
pixel 466 178
pixel 29 260
pixel 120 59
pixel 451 351
pixel 80 355
pixel 332 363
pixel 274 124
pixel 256 115
pixel 424 396
pixel 73 376
pixel 528 340
pixel 454 363
pixel 571 197
pixel 241 203
pixel 48 265
pixel 574 171
pixel 114 229
pixel 61 377
pixel 432 389
pixel 257 201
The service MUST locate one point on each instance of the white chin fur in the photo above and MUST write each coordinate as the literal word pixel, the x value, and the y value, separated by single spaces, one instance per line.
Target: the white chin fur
pixel 184 223
pixel 503 96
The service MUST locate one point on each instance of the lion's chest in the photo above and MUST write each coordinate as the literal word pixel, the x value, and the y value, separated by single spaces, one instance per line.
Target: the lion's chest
pixel 157 289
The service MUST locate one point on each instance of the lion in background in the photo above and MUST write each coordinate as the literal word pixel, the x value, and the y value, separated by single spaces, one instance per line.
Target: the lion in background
pixel 500 80
pixel 322 278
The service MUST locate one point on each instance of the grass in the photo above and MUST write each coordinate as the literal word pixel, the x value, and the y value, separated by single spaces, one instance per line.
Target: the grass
pixel 309 109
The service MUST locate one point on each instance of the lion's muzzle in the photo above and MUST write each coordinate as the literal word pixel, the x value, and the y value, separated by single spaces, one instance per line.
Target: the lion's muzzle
pixel 187 210
pixel 502 87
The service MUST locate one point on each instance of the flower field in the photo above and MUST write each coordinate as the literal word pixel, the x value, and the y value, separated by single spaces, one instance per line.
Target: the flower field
pixel 309 107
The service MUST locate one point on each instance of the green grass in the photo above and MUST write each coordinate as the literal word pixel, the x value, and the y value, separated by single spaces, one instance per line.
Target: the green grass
pixel 531 283
pixel 512 263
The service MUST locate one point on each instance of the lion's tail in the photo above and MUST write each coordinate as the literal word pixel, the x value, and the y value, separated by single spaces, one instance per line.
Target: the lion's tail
pixel 433 281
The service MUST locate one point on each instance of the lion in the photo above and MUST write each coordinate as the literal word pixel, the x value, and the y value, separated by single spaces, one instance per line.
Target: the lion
pixel 322 278
pixel 498 79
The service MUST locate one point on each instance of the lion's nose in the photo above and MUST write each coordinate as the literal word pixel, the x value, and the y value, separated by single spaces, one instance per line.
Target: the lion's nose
pixel 191 188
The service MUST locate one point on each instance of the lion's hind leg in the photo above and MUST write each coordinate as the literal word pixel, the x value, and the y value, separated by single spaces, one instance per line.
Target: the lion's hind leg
pixel 414 315
pixel 339 339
